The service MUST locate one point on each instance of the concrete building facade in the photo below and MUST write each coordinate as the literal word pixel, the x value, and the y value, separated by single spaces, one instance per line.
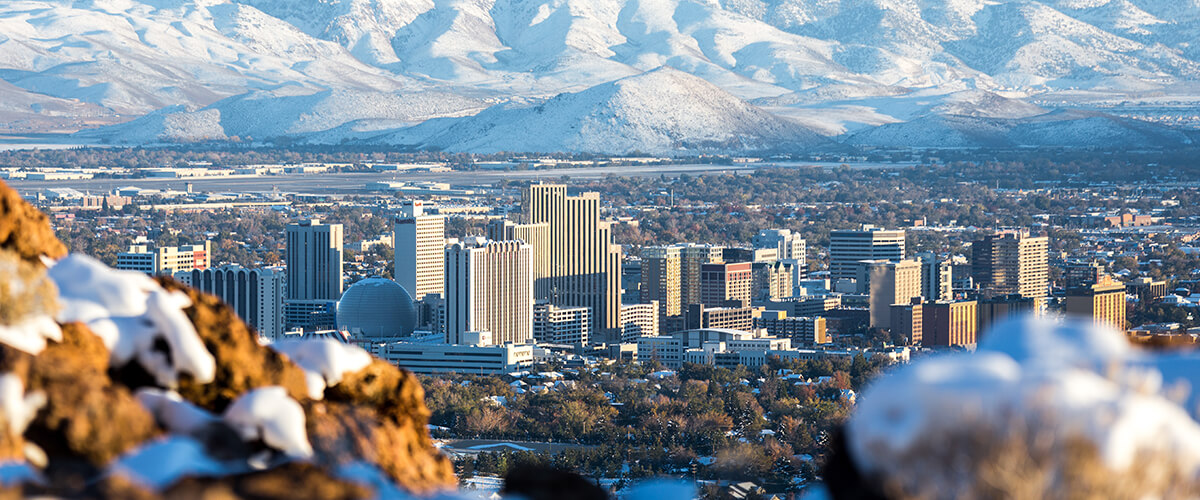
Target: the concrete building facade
pixel 420 241
pixel 848 247
pixel 489 287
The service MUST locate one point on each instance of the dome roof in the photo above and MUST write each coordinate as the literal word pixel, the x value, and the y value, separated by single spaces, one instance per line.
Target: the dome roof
pixel 377 308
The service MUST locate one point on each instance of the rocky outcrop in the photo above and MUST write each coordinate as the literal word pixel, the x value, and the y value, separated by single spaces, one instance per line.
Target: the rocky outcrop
pixel 86 404
pixel 25 230
pixel 242 364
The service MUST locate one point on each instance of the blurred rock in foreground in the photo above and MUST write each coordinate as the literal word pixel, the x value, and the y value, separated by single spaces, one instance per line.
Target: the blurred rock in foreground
pixel 115 385
pixel 1043 409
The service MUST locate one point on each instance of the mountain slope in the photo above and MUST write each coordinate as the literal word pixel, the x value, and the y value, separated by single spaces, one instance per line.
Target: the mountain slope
pixel 623 116
pixel 840 66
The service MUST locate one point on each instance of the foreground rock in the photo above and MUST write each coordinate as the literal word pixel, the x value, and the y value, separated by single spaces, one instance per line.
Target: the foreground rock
pixel 116 386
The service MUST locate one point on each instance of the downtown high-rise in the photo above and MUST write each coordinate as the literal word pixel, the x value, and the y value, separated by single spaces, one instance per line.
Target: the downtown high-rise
pixel 1011 262
pixel 420 241
pixel 489 288
pixel 314 274
pixel 584 265
pixel 849 247
pixel 314 261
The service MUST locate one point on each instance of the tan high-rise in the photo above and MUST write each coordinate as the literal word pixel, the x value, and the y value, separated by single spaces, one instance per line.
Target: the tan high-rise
pixel 888 283
pixel 420 251
pixel 1103 303
pixel 584 265
pixel 314 261
pixel 489 288
pixel 537 236
pixel 1010 262
pixel 661 280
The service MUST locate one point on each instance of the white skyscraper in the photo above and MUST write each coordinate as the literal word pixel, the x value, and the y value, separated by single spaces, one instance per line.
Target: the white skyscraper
pixel 420 251
pixel 792 249
pixel 489 287
pixel 314 261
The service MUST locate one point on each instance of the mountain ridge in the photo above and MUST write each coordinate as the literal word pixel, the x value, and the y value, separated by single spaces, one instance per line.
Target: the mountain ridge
pixel 839 68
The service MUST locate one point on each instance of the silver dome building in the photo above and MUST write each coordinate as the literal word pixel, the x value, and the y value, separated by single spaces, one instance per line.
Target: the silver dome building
pixel 376 308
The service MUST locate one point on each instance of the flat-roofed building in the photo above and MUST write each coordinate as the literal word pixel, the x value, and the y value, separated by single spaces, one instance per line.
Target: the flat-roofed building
pixel 256 295
pixel 484 359
pixel 726 284
pixel 733 318
pixel 888 283
pixel 662 280
pixel 1104 303
pixel 1147 289
pixel 166 260
pixel 949 324
pixel 420 240
pixel 993 310
pixel 1011 261
pixel 561 325
pixel 639 320
pixel 802 330
pixel 908 321
pixel 489 287
pixel 848 247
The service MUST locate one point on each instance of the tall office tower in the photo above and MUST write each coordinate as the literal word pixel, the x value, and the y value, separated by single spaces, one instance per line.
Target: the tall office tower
pixel 489 287
pixel 888 283
pixel 661 280
pixel 1102 302
pixel 848 247
pixel 792 249
pixel 727 284
pixel 691 258
pixel 314 261
pixel 585 267
pixel 937 278
pixel 420 250
pixel 256 295
pixel 631 280
pixel 772 281
pixel 166 260
pixel 1010 262
pixel 537 236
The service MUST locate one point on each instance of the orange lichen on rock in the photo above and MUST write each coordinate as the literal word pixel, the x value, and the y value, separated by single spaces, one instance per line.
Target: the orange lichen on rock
pixel 25 230
pixel 25 291
pixel 86 416
pixel 378 414
pixel 242 364
pixel 343 433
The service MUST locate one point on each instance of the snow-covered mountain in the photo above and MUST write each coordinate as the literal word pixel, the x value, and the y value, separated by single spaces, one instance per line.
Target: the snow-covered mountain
pixel 477 75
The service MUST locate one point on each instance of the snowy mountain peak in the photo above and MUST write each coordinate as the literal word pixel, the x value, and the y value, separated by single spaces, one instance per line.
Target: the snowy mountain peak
pixel 207 69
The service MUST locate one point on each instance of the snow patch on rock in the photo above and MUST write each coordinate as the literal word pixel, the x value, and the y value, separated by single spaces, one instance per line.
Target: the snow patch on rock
pixel 1077 380
pixel 324 361
pixel 269 414
pixel 135 317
